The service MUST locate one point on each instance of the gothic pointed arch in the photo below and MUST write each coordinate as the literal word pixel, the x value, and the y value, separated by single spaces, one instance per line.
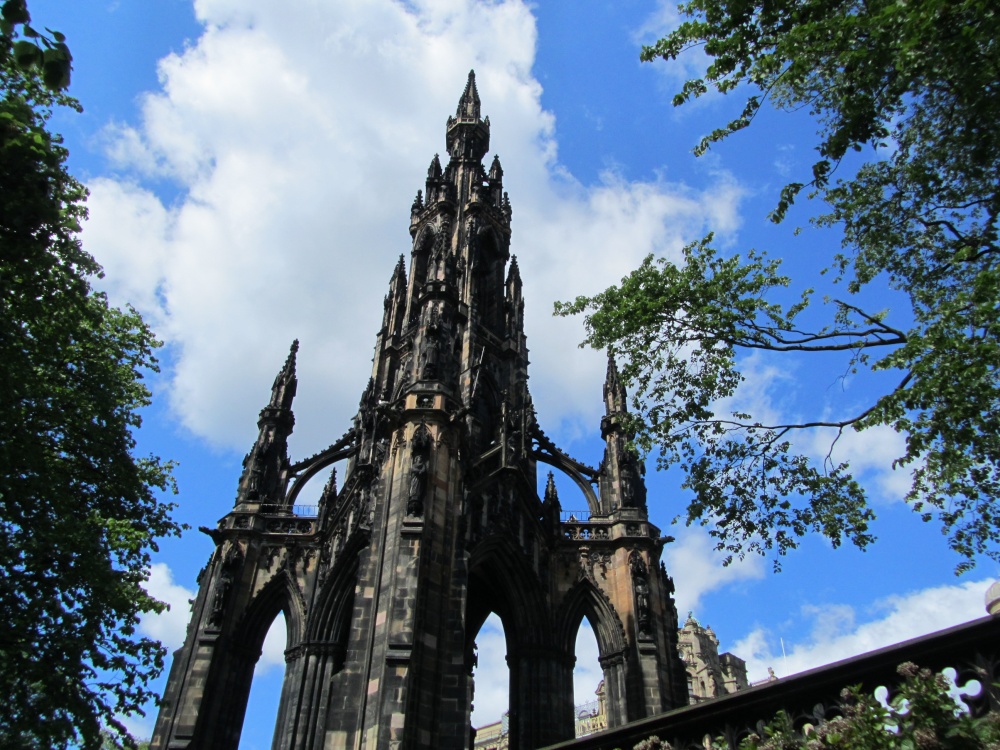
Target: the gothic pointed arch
pixel 332 614
pixel 486 398
pixel 501 580
pixel 585 599
pixel 423 246
pixel 279 594
pixel 488 272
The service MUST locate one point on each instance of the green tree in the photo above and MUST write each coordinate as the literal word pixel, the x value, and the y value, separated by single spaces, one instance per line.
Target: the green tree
pixel 79 512
pixel 913 87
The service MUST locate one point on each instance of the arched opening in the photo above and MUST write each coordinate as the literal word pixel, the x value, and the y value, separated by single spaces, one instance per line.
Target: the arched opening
pixel 491 683
pixel 261 717
pixel 422 249
pixel 589 705
pixel 232 678
pixel 589 625
pixel 502 584
pixel 489 275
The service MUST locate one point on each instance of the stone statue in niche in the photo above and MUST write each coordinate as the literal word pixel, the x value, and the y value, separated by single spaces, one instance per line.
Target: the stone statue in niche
pixel 631 469
pixel 626 480
pixel 224 586
pixel 363 419
pixel 420 445
pixel 640 584
pixel 430 356
pixel 222 590
pixel 434 267
pixel 432 343
pixel 418 485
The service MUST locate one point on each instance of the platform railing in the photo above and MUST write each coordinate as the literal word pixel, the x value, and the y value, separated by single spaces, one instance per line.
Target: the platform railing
pixel 300 511
pixel 971 650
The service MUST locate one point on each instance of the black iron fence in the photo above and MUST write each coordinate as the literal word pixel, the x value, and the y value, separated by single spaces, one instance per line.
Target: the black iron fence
pixel 971 650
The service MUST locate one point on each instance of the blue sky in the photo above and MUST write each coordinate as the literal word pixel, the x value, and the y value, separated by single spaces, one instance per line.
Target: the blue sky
pixel 251 166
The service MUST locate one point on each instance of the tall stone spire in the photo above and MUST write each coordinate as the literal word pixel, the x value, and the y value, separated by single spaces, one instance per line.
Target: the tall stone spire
pixel 434 520
pixel 265 467
pixel 394 314
pixel 468 136
pixel 622 483
pixel 285 382
pixel 615 397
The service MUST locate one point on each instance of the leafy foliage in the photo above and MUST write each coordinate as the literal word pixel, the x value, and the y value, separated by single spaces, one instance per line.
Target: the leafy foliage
pixel 916 83
pixel 79 513
pixel 38 53
pixel 922 715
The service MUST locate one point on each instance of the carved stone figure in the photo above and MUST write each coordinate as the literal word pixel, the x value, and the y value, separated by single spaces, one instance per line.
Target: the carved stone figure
pixel 222 589
pixel 418 485
pixel 642 605
pixel 430 355
pixel 640 583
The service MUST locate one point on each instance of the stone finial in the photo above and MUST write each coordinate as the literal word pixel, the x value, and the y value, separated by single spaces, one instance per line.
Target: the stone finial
pixel 283 389
pixel 514 273
pixel 551 494
pixel 468 105
pixel 496 171
pixel 434 170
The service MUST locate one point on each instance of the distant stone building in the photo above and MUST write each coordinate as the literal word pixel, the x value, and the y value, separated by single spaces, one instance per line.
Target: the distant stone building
pixel 593 717
pixel 495 736
pixel 709 673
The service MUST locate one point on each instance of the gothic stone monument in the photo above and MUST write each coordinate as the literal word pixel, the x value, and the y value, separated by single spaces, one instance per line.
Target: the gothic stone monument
pixel 438 523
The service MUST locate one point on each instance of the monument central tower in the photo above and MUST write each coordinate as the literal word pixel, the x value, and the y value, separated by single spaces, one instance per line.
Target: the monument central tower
pixel 438 523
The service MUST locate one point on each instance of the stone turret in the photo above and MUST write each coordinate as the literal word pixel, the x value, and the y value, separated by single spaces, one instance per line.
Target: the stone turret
pixel 622 472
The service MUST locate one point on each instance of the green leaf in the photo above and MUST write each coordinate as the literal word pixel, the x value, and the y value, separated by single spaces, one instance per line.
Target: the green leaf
pixel 15 12
pixel 27 54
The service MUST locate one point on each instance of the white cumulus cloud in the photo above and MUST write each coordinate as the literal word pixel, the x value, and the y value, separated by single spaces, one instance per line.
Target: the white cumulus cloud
pixel 840 631
pixel 263 195
pixel 697 569
pixel 170 626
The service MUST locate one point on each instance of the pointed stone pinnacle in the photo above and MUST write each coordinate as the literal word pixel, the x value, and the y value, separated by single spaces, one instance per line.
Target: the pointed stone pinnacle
pixel 468 105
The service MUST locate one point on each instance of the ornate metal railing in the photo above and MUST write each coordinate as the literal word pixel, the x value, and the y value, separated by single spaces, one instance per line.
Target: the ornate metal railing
pixel 972 650
pixel 574 516
pixel 300 511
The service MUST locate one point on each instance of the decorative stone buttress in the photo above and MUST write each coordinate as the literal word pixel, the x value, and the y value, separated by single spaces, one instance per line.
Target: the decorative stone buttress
pixel 438 523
